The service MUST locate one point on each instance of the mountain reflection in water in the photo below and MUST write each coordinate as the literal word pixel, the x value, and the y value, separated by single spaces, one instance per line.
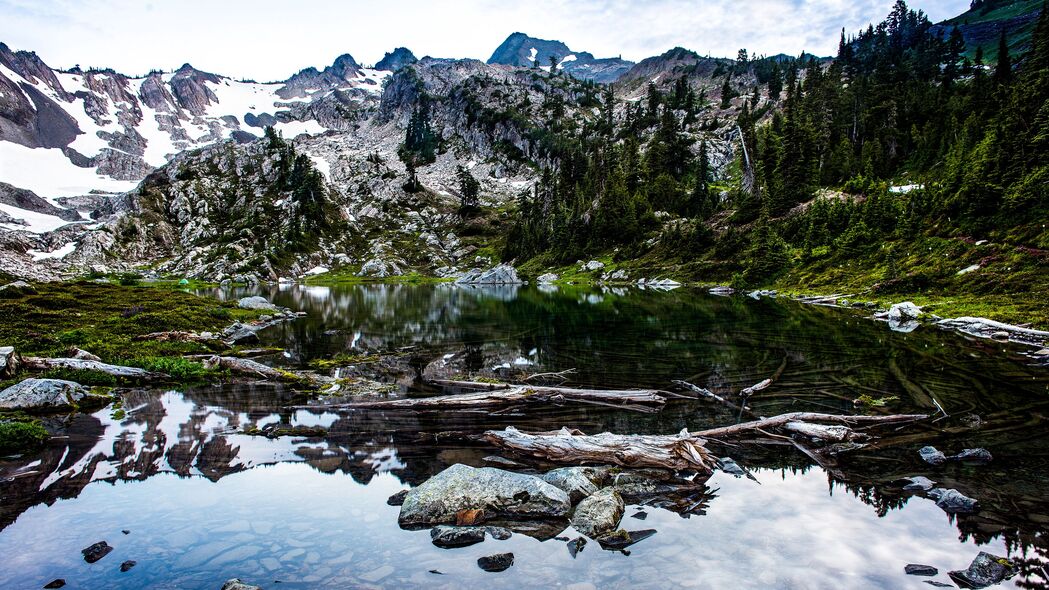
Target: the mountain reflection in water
pixel 204 502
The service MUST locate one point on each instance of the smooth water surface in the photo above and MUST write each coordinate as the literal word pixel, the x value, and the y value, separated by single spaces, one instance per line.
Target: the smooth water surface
pixel 203 503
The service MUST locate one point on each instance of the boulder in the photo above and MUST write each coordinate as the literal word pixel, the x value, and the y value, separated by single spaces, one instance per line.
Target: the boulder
pixel 985 570
pixel 236 584
pixel 621 539
pixel 41 395
pixel 599 513
pixel 954 502
pixel 239 333
pixel 10 362
pixel 497 492
pixel 573 481
pixel 917 569
pixel 448 537
pixel 902 312
pixel 96 551
pixel 918 484
pixel 504 274
pixel 547 278
pixel 593 265
pixel 255 302
pixel 83 355
pixel 932 455
pixel 973 456
pixel 496 563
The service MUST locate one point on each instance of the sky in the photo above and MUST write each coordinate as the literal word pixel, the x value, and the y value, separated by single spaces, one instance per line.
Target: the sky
pixel 268 40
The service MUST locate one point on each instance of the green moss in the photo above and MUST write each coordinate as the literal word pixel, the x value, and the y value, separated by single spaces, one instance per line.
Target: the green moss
pixel 21 435
pixel 342 360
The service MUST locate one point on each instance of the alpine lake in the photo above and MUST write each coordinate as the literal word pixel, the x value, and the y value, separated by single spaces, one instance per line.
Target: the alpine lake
pixel 176 484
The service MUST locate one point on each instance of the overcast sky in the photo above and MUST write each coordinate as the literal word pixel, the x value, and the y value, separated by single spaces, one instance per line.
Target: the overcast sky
pixel 271 39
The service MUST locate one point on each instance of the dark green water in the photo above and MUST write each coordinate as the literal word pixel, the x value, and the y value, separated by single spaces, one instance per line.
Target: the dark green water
pixel 204 503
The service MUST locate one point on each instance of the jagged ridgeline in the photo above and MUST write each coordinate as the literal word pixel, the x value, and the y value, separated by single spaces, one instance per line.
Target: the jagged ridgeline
pixel 259 208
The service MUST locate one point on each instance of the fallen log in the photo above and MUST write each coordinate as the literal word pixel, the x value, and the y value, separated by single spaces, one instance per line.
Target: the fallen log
pixel 641 400
pixel 680 451
pixel 249 368
pixel 684 450
pixel 119 371
pixel 177 336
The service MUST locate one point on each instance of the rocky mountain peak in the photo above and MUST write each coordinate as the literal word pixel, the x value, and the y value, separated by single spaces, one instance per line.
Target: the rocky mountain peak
pixel 523 51
pixel 397 59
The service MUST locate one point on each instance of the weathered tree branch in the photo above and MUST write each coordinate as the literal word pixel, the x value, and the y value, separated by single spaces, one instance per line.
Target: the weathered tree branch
pixel 642 400
pixel 134 373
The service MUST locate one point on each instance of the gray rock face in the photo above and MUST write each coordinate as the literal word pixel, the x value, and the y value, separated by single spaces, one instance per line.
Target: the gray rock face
pixel 985 570
pixel 574 481
pixel 932 456
pixel 28 200
pixel 504 274
pixel 397 59
pixel 521 50
pixel 41 395
pixel 952 501
pixel 461 487
pixel 599 513
pixel 448 537
pixel 255 303
pixel 236 584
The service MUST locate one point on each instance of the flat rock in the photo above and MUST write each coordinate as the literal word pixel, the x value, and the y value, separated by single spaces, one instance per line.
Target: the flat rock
pixel 932 456
pixel 448 537
pixel 919 483
pixel 985 570
pixel 574 481
pixel 496 563
pixel 255 302
pixel 599 513
pixel 952 501
pixel 497 492
pixel 58 583
pixel 39 395
pixel 917 569
pixel 96 551
pixel 621 539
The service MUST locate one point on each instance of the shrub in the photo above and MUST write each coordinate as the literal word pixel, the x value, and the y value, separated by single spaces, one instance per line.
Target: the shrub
pixel 19 436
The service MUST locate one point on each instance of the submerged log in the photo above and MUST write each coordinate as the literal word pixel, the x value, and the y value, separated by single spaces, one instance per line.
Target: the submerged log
pixel 122 372
pixel 680 451
pixel 642 400
pixel 807 417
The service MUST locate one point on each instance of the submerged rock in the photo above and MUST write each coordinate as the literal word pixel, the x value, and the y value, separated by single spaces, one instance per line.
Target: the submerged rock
pixel 952 501
pixel 576 545
pixel 41 395
pixel 973 456
pixel 573 481
pixel 919 484
pixel 255 302
pixel 96 551
pixel 127 565
pixel 932 455
pixel 461 487
pixel 599 513
pixel 58 583
pixel 917 569
pixel 985 570
pixel 448 537
pixel 496 563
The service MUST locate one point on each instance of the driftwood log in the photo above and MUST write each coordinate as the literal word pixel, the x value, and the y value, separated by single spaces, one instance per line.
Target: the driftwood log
pixel 679 451
pixel 641 400
pixel 248 367
pixel 684 450
pixel 119 371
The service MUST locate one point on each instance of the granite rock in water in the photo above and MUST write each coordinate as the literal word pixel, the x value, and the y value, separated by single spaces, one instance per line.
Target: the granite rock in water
pixel 599 513
pixel 236 584
pixel 255 302
pixel 973 456
pixel 496 563
pixel 932 456
pixel 985 570
pixel 504 274
pixel 96 551
pixel 621 539
pixel 127 565
pixel 497 492
pixel 917 569
pixel 397 499
pixel 919 484
pixel 448 537
pixel 573 480
pixel 954 502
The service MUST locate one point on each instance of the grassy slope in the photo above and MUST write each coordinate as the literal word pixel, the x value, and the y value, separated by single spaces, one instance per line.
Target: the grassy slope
pixel 1019 39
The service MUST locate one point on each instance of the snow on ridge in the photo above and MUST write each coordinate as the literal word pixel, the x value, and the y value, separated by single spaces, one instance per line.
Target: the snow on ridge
pixel 59 254
pixel 532 52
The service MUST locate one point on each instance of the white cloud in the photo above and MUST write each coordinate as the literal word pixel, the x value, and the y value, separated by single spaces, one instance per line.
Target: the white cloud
pixel 270 39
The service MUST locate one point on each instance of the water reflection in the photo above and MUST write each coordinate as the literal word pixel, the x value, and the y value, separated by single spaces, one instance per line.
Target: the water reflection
pixel 205 502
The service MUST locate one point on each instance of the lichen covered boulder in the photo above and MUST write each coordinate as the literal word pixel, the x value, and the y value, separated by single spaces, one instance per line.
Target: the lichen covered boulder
pixel 599 513
pixel 44 395
pixel 498 492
